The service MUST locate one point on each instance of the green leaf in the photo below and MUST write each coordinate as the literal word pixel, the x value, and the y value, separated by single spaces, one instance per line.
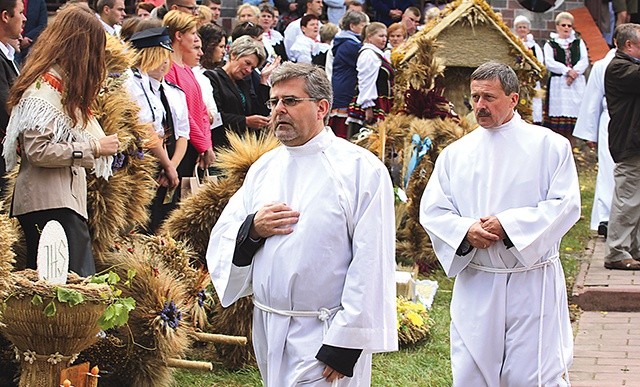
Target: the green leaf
pixel 71 296
pixel 129 303
pixel 117 293
pixel 109 312
pixel 36 300
pixel 113 278
pixel 100 279
pixel 130 274
pixel 50 309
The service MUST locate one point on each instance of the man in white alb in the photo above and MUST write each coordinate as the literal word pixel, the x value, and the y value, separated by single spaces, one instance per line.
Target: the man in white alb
pixel 496 206
pixel 311 234
pixel 592 125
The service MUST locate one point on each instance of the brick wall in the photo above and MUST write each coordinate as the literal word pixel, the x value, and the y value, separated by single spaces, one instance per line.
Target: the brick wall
pixel 542 24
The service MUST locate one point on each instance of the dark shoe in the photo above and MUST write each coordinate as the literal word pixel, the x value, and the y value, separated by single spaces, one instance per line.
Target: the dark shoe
pixel 625 264
pixel 603 228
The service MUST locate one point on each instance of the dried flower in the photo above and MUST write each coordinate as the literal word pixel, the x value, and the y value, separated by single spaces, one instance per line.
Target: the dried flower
pixel 29 356
pixel 54 358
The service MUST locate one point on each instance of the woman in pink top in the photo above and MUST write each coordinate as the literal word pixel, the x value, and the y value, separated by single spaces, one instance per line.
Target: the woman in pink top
pixel 184 39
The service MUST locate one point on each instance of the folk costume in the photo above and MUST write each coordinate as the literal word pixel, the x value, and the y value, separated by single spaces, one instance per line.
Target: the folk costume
pixel 509 315
pixel 330 283
pixel 291 34
pixel 593 125
pixel 536 102
pixel 273 42
pixel 302 49
pixel 563 101
pixel 51 182
pixel 375 87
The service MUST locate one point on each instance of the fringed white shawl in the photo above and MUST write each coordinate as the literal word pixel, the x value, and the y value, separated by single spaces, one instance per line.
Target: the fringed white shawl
pixel 40 105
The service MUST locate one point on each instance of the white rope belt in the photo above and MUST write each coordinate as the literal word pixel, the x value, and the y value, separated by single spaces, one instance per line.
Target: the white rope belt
pixel 522 269
pixel 543 265
pixel 322 314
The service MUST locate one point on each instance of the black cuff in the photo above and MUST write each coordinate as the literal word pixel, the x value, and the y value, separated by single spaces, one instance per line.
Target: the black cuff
pixel 464 248
pixel 507 242
pixel 340 359
pixel 246 247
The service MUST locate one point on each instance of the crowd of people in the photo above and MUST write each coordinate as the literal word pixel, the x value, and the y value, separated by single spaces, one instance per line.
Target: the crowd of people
pixel 314 74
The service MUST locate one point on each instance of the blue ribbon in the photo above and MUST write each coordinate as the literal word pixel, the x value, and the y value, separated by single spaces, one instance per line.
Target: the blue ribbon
pixel 420 148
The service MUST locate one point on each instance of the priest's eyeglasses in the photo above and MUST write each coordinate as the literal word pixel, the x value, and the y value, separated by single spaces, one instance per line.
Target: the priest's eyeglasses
pixel 286 101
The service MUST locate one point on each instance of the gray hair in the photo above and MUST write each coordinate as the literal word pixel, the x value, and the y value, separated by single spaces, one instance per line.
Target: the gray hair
pixel 627 31
pixel 245 46
pixel 352 17
pixel 564 16
pixel 494 70
pixel 316 83
pixel 521 19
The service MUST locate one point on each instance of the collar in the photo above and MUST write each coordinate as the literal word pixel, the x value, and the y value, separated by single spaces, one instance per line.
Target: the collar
pixel 348 34
pixel 316 145
pixel 627 56
pixel 514 121
pixel 529 41
pixel 372 47
pixel 110 30
pixel 8 50
pixel 554 36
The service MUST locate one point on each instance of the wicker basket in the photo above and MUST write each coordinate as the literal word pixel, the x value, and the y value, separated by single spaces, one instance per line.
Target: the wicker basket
pixel 46 345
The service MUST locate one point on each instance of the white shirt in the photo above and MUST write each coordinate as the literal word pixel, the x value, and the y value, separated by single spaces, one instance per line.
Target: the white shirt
pixel 340 253
pixel 177 101
pixel 113 31
pixel 207 96
pixel 145 91
pixel 10 53
pixel 368 66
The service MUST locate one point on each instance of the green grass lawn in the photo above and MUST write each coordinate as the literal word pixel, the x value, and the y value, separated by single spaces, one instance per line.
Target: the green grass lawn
pixel 428 364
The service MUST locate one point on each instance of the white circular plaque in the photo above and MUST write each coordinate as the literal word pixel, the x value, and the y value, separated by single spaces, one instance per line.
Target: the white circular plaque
pixel 53 253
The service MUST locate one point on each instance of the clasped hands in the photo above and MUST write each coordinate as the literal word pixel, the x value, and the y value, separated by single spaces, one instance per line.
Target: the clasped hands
pixel 485 232
pixel 571 76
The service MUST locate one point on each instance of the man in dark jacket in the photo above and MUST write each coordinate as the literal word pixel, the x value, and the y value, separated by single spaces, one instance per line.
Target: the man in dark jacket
pixel 622 91
pixel 11 23
pixel 390 11
pixel 36 13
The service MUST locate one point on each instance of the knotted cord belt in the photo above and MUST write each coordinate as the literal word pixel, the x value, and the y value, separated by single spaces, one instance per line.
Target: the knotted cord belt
pixel 552 260
pixel 322 314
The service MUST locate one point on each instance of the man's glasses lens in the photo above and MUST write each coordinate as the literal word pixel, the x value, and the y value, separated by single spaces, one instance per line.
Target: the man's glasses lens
pixel 286 101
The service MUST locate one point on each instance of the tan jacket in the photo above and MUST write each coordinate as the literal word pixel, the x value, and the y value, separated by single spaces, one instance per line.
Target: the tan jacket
pixel 49 176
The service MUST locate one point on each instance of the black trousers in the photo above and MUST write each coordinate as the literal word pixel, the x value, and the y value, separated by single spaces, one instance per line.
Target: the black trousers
pixel 80 255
